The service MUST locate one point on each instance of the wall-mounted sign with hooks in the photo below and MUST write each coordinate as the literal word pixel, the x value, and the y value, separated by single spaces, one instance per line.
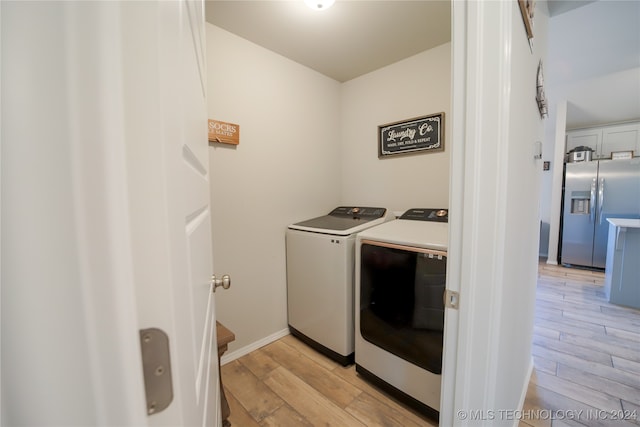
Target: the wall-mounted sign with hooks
pixel 223 132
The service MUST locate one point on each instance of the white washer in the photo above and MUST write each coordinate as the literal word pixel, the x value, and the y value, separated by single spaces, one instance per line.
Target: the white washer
pixel 320 275
pixel 400 285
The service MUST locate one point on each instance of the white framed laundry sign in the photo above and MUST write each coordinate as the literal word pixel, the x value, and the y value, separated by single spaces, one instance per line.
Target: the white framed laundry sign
pixel 420 134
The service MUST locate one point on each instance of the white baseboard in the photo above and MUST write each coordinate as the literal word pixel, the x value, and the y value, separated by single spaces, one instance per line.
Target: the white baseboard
pixel 229 357
pixel 523 394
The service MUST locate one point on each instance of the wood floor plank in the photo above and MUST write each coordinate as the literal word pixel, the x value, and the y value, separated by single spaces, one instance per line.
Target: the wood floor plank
pixel 573 391
pixel 285 416
pixel 572 327
pixel 349 374
pixel 605 385
pixel 239 416
pixel 631 326
pixel 326 382
pixel 544 403
pixel 631 411
pixel 626 365
pixel 585 297
pixel 615 347
pixel 307 401
pixel 374 413
pixel 259 363
pixel 245 386
pixel 546 332
pixel 534 415
pixel 309 352
pixel 612 314
pixel 621 333
pixel 563 407
pixel 549 312
pixel 581 352
pixel 550 291
pixel 568 304
pixel 568 423
pixel 599 369
pixel 575 327
pixel 545 365
pixel 620 310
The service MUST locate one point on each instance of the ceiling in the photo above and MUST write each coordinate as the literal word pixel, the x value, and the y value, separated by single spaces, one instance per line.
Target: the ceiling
pixel 343 42
pixel 556 7
pixel 355 37
pixel 352 38
pixel 593 62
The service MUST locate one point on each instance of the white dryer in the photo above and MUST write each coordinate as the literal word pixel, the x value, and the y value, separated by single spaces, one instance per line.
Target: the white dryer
pixel 320 278
pixel 400 285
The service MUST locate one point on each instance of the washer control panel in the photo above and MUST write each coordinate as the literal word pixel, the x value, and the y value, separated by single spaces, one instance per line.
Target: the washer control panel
pixel 367 213
pixel 418 214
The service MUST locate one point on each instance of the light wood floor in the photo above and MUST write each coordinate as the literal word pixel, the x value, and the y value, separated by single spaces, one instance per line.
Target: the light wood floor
pixel 586 354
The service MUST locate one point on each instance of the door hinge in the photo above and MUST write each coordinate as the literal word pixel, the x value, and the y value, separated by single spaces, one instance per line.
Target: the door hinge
pixel 156 367
pixel 451 299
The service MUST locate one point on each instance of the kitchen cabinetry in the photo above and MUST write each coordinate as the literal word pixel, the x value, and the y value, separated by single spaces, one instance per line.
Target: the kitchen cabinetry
pixel 621 138
pixel 622 270
pixel 605 140
pixel 591 138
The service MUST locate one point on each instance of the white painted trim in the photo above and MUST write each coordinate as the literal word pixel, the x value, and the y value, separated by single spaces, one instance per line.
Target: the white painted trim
pixel 3 420
pixel 236 354
pixel 556 184
pixel 482 99
pixel 456 203
pixel 503 115
pixel 523 393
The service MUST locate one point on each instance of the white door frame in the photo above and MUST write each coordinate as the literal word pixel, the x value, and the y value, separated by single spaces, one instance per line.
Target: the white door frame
pixel 481 83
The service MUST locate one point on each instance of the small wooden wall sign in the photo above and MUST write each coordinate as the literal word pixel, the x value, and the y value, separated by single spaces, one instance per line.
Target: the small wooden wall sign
pixel 223 132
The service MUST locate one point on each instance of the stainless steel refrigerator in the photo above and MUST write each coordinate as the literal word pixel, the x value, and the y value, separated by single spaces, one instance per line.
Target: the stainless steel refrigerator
pixel 593 192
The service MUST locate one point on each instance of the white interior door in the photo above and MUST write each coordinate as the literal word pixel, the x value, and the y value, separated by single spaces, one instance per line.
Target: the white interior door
pixel 169 171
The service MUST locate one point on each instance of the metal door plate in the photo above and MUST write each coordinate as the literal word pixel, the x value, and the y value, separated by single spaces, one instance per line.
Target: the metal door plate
pixel 156 366
pixel 451 299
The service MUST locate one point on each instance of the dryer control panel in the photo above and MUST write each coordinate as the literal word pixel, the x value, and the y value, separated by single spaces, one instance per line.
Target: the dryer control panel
pixel 435 215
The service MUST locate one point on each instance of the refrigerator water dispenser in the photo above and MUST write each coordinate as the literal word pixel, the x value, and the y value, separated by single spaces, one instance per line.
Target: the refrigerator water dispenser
pixel 581 202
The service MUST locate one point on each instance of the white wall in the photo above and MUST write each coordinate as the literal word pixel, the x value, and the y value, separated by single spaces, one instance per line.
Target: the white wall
pixel 285 169
pixel 522 219
pixel 307 145
pixel 417 86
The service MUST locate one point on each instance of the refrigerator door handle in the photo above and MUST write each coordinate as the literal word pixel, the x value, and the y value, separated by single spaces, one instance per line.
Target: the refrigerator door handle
pixel 592 209
pixel 601 199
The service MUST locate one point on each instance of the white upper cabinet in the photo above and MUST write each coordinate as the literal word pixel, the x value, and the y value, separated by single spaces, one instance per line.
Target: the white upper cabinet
pixel 621 138
pixel 591 138
pixel 606 139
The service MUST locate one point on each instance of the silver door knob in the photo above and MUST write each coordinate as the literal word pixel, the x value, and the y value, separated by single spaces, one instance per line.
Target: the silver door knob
pixel 225 282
